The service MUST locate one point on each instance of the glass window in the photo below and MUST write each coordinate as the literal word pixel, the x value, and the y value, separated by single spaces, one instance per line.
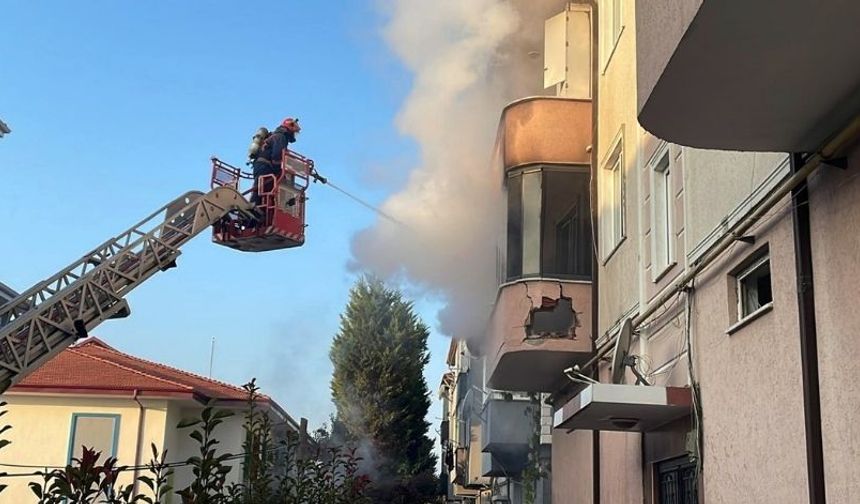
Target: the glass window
pixel 661 223
pixel 549 226
pixel 531 223
pixel 612 209
pixel 754 288
pixel 567 249
pixel 515 226
pixel 97 432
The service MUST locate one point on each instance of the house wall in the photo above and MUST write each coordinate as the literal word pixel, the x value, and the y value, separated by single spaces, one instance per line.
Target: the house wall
pixel 230 435
pixel 752 404
pixel 711 190
pixel 572 467
pixel 835 212
pixel 616 114
pixel 41 428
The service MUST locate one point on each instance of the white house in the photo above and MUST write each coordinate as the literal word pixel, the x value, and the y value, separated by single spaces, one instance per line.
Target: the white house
pixel 96 396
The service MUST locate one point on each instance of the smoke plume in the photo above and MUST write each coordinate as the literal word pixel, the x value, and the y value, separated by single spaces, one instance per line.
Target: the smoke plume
pixel 468 58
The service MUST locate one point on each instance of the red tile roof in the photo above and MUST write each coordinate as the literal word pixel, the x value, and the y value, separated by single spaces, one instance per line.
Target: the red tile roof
pixel 93 366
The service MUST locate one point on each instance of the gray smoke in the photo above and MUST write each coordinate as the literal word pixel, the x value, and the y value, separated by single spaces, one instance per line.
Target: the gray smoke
pixel 469 58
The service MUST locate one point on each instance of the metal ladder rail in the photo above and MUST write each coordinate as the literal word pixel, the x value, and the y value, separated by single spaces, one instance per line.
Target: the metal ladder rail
pixel 33 337
pixel 45 289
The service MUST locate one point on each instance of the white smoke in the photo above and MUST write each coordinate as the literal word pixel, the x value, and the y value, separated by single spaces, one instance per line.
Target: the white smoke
pixel 469 58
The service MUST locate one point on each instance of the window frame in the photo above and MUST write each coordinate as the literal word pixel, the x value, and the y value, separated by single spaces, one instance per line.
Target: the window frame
pixel 665 174
pixel 612 26
pixel 739 287
pixel 735 277
pixel 613 227
pixel 115 434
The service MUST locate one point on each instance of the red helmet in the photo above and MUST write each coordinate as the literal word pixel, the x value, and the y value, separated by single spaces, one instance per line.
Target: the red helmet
pixel 291 125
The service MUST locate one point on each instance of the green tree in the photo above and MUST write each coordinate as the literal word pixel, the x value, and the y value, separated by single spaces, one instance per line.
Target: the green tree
pixel 378 386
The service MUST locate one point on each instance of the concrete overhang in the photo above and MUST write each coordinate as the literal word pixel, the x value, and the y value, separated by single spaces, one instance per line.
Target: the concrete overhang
pixel 609 407
pixel 752 76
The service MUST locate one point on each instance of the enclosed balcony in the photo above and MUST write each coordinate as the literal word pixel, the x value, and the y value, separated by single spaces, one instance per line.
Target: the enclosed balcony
pixel 762 76
pixel 541 321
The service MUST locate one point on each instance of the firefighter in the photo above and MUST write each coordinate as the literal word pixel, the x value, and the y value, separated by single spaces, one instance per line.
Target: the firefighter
pixel 268 159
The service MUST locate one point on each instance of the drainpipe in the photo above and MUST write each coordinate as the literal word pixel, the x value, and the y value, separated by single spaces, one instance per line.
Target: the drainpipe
pixel 138 447
pixel 595 233
pixel 808 337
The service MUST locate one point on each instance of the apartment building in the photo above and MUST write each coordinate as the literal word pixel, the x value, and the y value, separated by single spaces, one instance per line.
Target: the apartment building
pixel 803 389
pixel 694 349
pixel 541 321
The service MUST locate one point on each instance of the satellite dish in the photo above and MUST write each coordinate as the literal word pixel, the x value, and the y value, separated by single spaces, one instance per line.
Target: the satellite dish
pixel 622 351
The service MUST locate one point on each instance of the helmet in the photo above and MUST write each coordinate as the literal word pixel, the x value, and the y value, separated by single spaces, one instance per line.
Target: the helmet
pixel 291 125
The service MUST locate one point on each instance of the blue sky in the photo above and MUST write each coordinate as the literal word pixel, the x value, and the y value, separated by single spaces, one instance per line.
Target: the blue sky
pixel 116 108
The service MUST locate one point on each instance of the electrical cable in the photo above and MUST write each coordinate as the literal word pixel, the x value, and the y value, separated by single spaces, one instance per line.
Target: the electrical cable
pixel 168 465
pixel 694 385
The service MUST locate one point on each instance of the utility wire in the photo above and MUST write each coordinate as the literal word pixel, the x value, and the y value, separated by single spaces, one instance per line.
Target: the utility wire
pixel 46 468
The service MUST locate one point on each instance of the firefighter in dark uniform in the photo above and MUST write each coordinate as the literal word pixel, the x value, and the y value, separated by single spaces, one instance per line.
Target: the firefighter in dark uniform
pixel 268 160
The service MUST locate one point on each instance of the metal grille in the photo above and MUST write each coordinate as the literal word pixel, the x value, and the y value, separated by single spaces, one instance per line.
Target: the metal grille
pixel 677 482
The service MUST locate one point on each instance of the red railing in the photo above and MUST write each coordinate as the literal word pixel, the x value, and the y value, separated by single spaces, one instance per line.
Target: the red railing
pixel 298 168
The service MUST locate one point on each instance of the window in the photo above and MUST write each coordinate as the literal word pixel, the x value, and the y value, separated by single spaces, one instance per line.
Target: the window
pixel 549 227
pixel 676 482
pixel 95 431
pixel 661 215
pixel 612 210
pixel 611 28
pixel 754 291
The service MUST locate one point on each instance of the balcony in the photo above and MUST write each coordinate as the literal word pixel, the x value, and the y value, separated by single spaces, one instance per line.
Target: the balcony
pixel 545 130
pixel 507 426
pixel 759 76
pixel 537 329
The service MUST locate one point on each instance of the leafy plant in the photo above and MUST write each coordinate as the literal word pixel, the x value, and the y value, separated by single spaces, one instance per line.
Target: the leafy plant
pixel 210 471
pixel 84 481
pixel 258 447
pixel 3 442
pixel 157 482
pixel 534 469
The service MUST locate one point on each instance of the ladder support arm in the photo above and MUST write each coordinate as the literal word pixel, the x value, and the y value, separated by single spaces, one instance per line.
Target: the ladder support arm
pixel 53 314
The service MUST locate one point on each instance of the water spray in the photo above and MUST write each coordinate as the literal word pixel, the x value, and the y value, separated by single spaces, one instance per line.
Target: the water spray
pixel 379 211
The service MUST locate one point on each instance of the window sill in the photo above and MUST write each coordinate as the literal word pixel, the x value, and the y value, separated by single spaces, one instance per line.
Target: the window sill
pixel 613 250
pixel 656 277
pixel 749 318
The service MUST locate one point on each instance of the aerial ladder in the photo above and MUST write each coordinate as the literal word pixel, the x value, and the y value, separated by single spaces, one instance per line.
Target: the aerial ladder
pixel 53 314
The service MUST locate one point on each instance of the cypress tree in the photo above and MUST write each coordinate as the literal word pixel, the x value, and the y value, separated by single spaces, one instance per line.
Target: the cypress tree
pixel 378 385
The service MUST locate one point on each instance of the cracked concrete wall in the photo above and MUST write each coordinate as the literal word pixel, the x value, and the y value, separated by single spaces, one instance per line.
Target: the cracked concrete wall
pixel 518 363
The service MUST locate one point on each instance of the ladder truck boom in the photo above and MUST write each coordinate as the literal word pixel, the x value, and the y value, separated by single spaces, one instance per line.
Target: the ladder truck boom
pixel 54 313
